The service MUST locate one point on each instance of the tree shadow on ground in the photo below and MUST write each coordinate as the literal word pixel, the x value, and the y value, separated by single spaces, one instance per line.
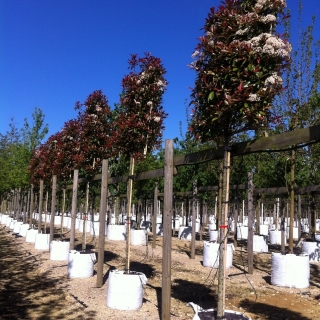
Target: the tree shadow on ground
pixel 189 291
pixel 270 311
pixel 25 293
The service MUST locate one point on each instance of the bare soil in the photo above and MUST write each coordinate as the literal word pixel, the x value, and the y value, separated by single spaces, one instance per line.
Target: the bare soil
pixel 34 287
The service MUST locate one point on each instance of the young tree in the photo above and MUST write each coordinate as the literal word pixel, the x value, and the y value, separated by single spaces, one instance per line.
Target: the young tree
pixel 238 67
pixel 139 120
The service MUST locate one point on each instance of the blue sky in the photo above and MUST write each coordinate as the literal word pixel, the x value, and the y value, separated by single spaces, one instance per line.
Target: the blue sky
pixel 56 52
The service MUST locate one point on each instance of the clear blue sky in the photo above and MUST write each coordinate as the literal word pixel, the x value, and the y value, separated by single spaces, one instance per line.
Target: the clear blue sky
pixel 56 52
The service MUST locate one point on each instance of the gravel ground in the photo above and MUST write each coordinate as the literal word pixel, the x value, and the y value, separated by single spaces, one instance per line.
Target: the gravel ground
pixel 34 287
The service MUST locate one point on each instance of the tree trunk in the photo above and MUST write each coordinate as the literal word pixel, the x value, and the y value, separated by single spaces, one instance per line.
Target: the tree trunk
pixel 223 232
pixel 40 206
pixel 53 206
pixel 74 207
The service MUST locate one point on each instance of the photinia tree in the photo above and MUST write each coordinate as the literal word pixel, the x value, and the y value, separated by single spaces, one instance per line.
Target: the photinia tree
pixel 139 119
pixel 238 64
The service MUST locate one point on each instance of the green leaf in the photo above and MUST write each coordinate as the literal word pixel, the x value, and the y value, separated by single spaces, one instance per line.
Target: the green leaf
pixel 211 95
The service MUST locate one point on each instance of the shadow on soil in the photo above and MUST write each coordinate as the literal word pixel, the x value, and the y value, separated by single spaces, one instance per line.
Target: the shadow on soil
pixel 22 287
pixel 271 312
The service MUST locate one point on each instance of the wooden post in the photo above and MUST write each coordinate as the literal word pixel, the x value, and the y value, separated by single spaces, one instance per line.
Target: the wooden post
pixel 155 213
pixel 102 218
pixel 167 226
pixel 283 229
pixel 31 206
pixel 194 212
pixel 258 215
pixel 74 207
pixel 53 205
pixel 299 215
pixel 250 223
pixel 63 211
pixel 85 217
pixel 40 205
pixel 223 229
pixel 129 196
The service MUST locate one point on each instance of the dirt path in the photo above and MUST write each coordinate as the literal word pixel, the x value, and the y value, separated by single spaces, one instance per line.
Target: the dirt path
pixel 34 287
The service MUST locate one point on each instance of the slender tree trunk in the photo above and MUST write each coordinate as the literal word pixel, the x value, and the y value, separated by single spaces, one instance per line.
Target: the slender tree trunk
pixel 40 206
pixel 31 206
pixel 223 232
pixel 292 172
pixel 102 219
pixel 53 206
pixel 74 208
pixel 62 209
pixel 129 196
pixel 194 212
pixel 155 213
pixel 85 217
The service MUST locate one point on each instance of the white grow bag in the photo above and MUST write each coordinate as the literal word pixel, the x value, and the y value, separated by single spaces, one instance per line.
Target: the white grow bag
pixel 290 270
pixel 242 232
pixel 260 243
pixel 125 291
pixel 275 237
pixel 59 250
pixel 31 235
pixel 213 235
pixel 80 264
pixel 17 226
pixel 138 238
pixel 42 241
pixel 211 254
pixel 23 229
pixel 11 224
pixel 116 232
pixel 4 218
pixel 312 249
pixel 57 220
pixel 264 229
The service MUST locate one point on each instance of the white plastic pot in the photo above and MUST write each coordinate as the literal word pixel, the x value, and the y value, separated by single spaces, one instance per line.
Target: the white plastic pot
pixel 242 232
pixel 312 249
pixel 116 232
pixel 23 229
pixel 42 241
pixel 59 250
pixel 211 254
pixel 260 244
pixel 31 235
pixel 80 264
pixel 138 238
pixel 290 270
pixel 125 291
pixel 213 235
pixel 16 227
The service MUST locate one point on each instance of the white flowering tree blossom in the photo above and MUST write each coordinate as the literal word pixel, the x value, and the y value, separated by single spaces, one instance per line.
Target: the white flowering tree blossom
pixel 238 63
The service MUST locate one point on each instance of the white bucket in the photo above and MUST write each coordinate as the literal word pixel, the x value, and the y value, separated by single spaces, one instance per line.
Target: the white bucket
pixel 317 237
pixel 185 233
pixel 260 243
pixel 138 238
pixel 31 235
pixel 213 235
pixel 275 237
pixel 57 221
pixel 125 291
pixel 65 221
pixel 11 224
pixel 87 226
pixel 4 218
pixel 290 270
pixel 312 249
pixel 42 241
pixel 17 226
pixel 264 229
pixel 59 250
pixel 242 232
pixel 295 233
pixel 176 223
pixel 211 254
pixel 116 232
pixel 23 229
pixel 212 226
pixel 80 265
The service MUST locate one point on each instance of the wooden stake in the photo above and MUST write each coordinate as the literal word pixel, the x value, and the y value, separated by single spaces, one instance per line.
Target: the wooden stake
pixel 155 213
pixel 31 206
pixel 102 218
pixel 167 226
